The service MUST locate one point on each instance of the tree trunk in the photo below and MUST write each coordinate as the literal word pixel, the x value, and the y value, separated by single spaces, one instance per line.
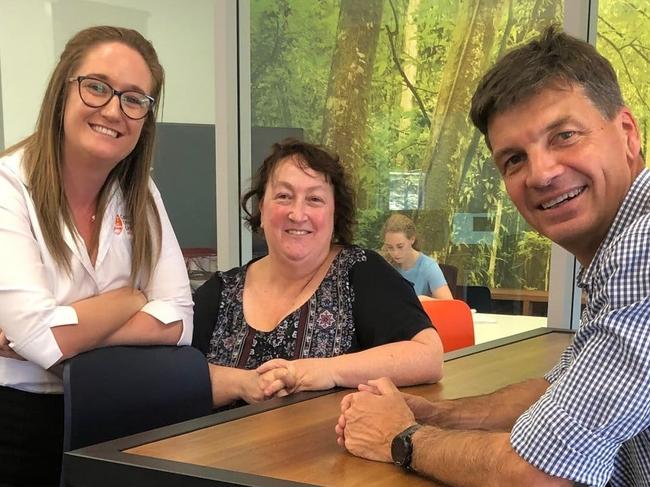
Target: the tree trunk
pixel 410 51
pixel 468 59
pixel 346 107
pixel 460 256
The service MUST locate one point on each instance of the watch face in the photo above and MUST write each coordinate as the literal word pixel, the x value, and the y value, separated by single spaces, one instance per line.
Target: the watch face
pixel 401 448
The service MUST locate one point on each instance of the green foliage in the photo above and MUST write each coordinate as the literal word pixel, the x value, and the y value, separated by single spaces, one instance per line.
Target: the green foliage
pixel 292 52
pixel 369 228
pixel 533 258
pixel 624 38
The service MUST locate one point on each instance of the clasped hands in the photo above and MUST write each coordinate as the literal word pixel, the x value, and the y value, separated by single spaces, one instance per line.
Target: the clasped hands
pixel 279 378
pixel 372 417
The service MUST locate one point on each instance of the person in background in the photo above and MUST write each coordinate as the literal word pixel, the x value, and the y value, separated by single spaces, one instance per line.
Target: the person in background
pixel 88 255
pixel 420 270
pixel 570 156
pixel 316 312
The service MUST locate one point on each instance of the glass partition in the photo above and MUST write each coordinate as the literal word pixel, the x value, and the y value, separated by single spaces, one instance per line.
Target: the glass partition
pixel 624 38
pixel 387 85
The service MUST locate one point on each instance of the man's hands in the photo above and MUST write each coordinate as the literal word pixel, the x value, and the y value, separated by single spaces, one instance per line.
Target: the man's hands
pixel 372 417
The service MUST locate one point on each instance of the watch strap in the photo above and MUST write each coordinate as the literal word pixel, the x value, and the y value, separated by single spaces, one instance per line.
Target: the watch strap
pixel 403 443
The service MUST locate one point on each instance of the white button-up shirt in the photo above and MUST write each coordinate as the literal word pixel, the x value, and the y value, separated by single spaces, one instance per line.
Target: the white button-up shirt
pixel 35 293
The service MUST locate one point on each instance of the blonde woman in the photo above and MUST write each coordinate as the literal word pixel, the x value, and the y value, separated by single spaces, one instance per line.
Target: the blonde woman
pixel 419 269
pixel 88 255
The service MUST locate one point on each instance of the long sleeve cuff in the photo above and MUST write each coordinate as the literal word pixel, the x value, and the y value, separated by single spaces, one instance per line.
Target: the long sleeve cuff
pixel 168 313
pixel 63 315
pixel 41 347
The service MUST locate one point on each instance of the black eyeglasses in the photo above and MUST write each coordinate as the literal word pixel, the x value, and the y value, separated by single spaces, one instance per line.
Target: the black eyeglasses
pixel 97 93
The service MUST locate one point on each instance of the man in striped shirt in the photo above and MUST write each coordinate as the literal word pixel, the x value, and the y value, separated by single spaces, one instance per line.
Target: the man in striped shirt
pixel 569 152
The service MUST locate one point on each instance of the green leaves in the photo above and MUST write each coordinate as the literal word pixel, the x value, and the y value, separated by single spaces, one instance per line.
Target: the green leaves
pixel 292 64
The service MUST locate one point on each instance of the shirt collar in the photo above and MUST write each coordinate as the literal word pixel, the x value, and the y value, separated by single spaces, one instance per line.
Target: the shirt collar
pixel 635 204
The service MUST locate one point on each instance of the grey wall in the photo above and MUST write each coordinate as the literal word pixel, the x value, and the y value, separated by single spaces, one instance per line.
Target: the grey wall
pixel 184 171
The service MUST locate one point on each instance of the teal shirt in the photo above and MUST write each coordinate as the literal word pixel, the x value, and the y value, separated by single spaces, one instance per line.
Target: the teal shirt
pixel 425 275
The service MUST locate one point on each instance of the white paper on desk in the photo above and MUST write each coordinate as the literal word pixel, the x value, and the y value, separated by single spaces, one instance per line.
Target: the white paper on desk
pixel 483 318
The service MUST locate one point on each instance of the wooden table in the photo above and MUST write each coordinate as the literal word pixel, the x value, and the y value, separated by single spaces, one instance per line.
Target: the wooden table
pixel 291 441
pixel 526 296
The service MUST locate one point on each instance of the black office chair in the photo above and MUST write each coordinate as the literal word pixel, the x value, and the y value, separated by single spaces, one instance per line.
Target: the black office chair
pixel 479 298
pixel 119 391
pixel 451 276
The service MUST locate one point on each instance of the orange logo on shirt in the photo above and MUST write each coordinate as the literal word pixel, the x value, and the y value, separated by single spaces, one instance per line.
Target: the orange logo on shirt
pixel 119 225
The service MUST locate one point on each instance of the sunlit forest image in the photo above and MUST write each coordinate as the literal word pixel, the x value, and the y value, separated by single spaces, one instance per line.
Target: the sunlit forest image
pixel 387 85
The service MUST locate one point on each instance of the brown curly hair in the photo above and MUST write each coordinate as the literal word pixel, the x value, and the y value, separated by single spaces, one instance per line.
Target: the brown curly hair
pixel 318 159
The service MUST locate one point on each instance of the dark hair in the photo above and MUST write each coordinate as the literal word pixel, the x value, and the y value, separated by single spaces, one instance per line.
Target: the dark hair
pixel 555 58
pixel 318 159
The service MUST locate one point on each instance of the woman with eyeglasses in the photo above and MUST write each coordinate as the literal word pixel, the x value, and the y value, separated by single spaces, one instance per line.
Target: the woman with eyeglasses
pixel 87 252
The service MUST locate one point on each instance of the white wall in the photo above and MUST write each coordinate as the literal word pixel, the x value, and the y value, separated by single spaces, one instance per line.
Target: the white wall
pixel 33 32
pixel 27 57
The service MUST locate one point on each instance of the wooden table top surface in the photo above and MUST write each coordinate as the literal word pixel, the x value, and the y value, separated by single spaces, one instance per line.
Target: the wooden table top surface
pixel 298 443
pixel 537 295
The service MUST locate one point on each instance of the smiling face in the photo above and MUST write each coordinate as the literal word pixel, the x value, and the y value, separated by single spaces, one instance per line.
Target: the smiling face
pixel 565 166
pixel 297 214
pixel 102 137
pixel 399 247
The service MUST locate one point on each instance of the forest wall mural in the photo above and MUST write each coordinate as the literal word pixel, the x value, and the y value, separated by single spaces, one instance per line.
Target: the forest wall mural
pixel 387 85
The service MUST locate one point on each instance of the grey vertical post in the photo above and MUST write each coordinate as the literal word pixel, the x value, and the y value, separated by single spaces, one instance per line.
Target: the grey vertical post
pixel 245 118
pixel 564 297
pixel 227 135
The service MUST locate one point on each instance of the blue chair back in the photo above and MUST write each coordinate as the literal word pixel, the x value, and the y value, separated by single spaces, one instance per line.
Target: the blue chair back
pixel 119 391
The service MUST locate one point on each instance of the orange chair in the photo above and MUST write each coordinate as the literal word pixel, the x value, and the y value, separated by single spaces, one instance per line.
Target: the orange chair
pixel 453 320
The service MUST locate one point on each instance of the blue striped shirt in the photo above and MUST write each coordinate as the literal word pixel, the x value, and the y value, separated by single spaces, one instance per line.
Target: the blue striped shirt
pixel 591 425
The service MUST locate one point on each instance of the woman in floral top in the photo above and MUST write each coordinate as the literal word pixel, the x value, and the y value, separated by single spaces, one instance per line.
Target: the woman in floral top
pixel 316 312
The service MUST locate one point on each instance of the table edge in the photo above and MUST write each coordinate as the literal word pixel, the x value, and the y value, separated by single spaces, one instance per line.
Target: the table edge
pixel 110 463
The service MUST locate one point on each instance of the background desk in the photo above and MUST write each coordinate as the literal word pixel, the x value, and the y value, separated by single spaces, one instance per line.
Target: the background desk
pixel 526 296
pixel 490 326
pixel 294 444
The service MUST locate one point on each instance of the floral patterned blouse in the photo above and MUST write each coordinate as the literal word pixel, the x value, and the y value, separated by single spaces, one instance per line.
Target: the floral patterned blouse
pixel 362 302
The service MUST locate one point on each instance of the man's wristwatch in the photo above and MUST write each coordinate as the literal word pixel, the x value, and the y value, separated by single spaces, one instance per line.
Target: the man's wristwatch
pixel 401 448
